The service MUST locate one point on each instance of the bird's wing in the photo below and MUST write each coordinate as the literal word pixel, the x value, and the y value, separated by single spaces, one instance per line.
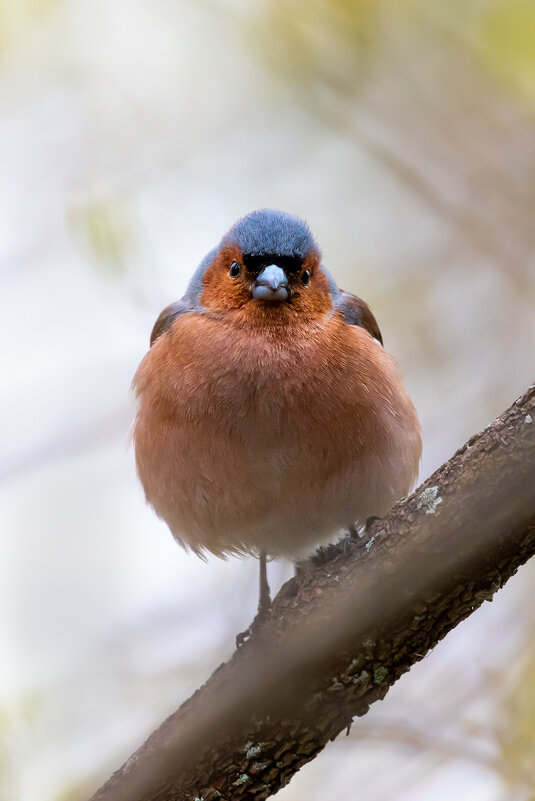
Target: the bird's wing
pixel 168 316
pixel 357 312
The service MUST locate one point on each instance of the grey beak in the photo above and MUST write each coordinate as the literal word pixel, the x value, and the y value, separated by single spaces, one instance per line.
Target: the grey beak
pixel 271 284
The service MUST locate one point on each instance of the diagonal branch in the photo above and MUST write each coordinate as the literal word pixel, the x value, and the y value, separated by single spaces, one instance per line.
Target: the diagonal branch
pixel 342 634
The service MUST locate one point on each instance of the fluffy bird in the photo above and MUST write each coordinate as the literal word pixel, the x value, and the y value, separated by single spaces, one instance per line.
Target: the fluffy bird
pixel 270 417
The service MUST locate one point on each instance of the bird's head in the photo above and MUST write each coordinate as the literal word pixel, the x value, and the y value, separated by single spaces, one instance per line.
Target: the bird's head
pixel 267 268
pixel 268 262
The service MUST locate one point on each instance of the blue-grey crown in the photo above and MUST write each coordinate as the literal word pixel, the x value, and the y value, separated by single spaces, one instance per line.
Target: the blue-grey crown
pixel 273 232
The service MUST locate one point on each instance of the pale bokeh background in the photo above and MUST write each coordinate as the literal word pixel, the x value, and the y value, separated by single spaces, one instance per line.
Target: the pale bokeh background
pixel 132 135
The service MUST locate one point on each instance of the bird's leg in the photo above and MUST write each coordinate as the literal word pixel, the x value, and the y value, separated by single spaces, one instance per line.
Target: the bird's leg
pixel 264 599
pixel 356 533
pixel 353 531
pixel 264 603
pixel 369 522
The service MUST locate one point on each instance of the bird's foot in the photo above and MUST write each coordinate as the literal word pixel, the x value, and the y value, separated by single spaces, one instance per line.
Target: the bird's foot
pixel 370 521
pixel 353 532
pixel 263 614
pixel 357 533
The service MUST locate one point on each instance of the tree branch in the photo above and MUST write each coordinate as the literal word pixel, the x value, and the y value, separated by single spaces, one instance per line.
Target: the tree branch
pixel 342 634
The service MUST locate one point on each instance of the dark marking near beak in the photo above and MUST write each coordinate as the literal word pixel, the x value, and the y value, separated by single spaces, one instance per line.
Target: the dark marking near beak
pixel 271 284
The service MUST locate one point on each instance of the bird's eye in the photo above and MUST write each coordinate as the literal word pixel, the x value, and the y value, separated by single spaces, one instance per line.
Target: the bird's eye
pixel 305 278
pixel 235 269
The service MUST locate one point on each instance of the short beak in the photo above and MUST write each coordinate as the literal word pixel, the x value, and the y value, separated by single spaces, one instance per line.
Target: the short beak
pixel 271 284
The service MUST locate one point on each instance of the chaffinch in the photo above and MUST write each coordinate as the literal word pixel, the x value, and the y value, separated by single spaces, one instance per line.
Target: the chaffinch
pixel 270 417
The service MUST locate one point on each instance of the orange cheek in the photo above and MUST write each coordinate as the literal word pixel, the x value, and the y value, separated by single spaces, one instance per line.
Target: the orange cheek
pixel 221 292
pixel 314 300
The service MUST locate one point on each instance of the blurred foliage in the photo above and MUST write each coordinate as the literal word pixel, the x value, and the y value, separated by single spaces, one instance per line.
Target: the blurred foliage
pixel 80 790
pixel 18 725
pixel 516 734
pixel 371 73
pixel 507 31
pixel 7 766
pixel 104 228
pixel 328 39
pixel 17 18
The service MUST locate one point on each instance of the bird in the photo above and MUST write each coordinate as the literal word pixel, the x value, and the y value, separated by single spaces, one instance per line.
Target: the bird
pixel 270 417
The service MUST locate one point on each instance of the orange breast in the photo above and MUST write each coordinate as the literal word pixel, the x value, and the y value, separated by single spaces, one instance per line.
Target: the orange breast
pixel 271 437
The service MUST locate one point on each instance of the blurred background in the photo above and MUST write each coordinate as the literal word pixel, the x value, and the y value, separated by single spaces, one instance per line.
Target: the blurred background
pixel 132 135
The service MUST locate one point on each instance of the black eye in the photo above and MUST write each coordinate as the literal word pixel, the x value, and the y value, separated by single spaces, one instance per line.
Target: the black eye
pixel 305 278
pixel 235 269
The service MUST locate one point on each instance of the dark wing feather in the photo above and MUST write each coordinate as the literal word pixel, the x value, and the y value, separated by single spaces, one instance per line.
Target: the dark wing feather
pixel 357 312
pixel 167 318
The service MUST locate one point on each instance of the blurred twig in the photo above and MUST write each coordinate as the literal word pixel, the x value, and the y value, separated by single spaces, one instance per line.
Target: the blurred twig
pixel 418 100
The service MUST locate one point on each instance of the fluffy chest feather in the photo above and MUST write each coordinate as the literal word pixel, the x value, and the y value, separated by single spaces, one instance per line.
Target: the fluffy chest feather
pixel 234 374
pixel 242 430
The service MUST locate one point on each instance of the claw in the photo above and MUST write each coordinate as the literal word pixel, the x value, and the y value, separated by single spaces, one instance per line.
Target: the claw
pixel 263 614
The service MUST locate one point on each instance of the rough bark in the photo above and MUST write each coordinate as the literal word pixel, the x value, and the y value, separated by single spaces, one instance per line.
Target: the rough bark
pixel 342 634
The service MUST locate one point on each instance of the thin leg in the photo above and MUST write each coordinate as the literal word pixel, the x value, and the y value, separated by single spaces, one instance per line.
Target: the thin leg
pixel 353 532
pixel 264 603
pixel 264 599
